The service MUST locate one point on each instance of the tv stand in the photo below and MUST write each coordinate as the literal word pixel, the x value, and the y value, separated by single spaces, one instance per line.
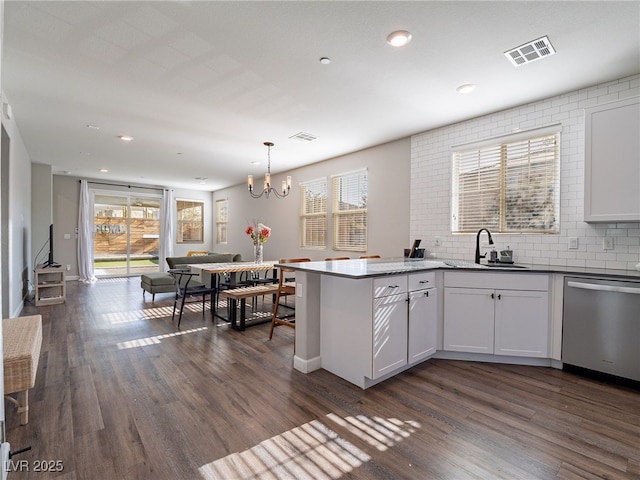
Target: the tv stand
pixel 50 284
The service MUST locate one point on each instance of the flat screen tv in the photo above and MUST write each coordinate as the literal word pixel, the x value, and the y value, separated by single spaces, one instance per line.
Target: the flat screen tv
pixel 50 262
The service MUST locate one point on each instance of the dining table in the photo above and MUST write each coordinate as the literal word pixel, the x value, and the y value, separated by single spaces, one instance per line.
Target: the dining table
pixel 233 269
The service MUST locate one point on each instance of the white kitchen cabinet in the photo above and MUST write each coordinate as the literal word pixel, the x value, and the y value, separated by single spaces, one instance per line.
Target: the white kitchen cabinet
pixel 468 320
pixel 373 328
pixel 423 324
pixel 612 162
pixel 510 318
pixel 389 334
pixel 521 323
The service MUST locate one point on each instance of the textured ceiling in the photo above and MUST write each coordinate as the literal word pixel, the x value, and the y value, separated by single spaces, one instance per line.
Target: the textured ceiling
pixel 201 85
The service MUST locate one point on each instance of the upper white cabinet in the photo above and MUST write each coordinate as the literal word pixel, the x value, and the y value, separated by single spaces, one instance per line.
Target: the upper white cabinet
pixel 612 162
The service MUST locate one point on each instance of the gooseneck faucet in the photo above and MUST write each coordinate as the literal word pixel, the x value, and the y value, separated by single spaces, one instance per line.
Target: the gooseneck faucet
pixel 478 256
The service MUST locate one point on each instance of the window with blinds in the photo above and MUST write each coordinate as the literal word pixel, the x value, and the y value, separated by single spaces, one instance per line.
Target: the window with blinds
pixel 508 187
pixel 313 214
pixel 350 211
pixel 190 221
pixel 222 219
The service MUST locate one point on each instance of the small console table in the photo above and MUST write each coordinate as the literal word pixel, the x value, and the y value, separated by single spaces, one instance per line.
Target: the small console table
pixel 50 285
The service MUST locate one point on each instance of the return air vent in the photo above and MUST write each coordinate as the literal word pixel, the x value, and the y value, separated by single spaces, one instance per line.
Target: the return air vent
pixel 530 52
pixel 303 137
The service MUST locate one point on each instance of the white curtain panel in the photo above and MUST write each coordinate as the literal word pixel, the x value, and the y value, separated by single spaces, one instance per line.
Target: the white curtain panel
pixel 166 230
pixel 85 236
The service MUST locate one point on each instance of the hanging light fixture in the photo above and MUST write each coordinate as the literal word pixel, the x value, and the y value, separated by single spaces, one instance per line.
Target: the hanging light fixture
pixel 268 189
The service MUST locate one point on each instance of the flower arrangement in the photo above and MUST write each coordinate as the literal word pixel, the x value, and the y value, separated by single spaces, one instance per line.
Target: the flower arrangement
pixel 259 233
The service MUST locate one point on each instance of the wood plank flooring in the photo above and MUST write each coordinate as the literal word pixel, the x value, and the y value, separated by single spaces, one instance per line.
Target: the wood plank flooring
pixel 121 393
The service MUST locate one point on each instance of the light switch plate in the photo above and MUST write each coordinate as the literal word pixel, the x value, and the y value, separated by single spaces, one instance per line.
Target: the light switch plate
pixel 298 289
pixel 607 243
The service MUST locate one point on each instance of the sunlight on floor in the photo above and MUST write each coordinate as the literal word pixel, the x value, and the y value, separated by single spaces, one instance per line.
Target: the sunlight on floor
pixel 141 342
pixel 312 450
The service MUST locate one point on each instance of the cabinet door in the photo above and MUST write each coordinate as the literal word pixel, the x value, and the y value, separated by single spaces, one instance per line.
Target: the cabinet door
pixel 522 323
pixel 389 334
pixel 423 324
pixel 468 320
pixel 612 162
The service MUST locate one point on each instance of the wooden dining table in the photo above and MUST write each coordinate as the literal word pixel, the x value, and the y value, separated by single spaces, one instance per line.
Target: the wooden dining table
pixel 232 268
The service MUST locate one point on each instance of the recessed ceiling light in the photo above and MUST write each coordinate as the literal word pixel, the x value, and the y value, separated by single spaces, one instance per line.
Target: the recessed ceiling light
pixel 398 38
pixel 92 127
pixel 103 170
pixel 255 162
pixel 125 138
pixel 466 88
pixel 325 60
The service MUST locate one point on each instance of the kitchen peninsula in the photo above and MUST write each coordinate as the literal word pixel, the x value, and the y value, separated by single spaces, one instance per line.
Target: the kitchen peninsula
pixel 367 320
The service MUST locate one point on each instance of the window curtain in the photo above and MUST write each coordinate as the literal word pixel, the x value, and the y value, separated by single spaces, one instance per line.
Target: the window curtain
pixel 166 228
pixel 85 236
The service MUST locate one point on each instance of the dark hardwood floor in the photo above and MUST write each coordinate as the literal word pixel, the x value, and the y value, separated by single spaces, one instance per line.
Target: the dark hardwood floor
pixel 121 393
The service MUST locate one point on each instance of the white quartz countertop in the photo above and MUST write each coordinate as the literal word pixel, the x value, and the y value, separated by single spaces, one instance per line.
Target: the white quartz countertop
pixel 366 268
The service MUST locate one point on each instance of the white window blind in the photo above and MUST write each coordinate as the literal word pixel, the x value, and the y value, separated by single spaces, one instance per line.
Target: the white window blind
pixel 350 211
pixel 313 214
pixel 222 219
pixel 509 187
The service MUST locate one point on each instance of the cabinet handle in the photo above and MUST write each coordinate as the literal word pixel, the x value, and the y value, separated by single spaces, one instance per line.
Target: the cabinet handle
pixel 423 281
pixel 392 286
pixel 426 294
pixel 499 296
pixel 493 295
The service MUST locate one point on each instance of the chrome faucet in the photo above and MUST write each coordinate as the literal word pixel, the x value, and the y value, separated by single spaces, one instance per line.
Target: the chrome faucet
pixel 478 256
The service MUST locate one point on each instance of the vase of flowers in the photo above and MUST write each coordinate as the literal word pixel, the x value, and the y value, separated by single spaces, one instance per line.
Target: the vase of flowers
pixel 259 234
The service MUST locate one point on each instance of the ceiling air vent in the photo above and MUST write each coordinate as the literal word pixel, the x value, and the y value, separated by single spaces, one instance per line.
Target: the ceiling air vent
pixel 530 52
pixel 303 137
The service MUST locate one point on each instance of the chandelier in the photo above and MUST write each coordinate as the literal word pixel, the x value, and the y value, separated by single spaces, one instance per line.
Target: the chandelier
pixel 268 188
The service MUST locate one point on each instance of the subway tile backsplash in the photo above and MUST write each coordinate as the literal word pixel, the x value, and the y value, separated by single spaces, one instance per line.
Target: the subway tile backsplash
pixel 431 185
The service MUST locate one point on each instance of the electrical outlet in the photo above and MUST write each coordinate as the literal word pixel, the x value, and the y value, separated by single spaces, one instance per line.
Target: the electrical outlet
pixel 607 243
pixel 573 243
pixel 68 268
pixel 437 242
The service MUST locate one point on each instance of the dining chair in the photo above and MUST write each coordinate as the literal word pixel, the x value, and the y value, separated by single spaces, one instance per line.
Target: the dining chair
pixel 286 287
pixel 186 287
pixel 330 259
pixel 370 256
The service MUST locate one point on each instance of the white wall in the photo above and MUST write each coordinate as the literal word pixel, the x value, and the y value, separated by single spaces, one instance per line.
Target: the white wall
pixel 388 206
pixel 18 240
pixel 431 184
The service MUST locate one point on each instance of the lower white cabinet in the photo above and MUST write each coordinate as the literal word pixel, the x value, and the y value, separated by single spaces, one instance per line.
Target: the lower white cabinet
pixel 389 334
pixel 371 328
pixel 511 319
pixel 423 324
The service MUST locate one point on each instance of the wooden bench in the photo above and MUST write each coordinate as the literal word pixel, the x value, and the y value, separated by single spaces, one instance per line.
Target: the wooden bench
pixel 242 293
pixel 21 342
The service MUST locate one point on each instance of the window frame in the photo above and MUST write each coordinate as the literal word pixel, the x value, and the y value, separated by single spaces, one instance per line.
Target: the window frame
pixel 530 161
pixel 306 216
pixel 357 179
pixel 222 221
pixel 180 223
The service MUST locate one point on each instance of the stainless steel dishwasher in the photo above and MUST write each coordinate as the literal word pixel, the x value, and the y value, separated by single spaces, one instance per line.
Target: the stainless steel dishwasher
pixel 601 326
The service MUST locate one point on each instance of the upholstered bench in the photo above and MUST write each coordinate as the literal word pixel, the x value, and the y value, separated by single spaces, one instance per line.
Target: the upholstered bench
pixel 21 342
pixel 157 282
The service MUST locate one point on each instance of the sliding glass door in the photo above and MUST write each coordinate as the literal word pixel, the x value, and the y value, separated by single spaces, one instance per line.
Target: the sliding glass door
pixel 127 234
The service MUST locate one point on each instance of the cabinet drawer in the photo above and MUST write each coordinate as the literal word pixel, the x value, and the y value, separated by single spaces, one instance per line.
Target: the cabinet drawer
pixel 389 285
pixel 420 281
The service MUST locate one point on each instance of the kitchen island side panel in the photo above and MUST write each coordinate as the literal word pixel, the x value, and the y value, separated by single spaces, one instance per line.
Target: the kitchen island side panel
pixel 346 327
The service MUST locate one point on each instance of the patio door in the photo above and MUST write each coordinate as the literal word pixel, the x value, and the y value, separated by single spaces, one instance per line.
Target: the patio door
pixel 127 234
